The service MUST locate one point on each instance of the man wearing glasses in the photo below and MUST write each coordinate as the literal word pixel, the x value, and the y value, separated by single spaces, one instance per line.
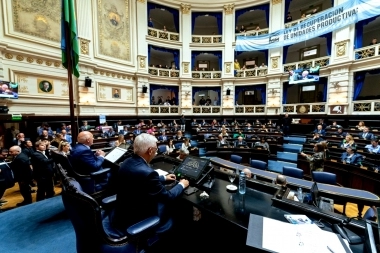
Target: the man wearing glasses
pixel 140 190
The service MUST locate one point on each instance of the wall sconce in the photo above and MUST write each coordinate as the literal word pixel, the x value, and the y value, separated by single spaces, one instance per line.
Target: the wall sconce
pixel 335 85
pixel 228 93
pixel 273 92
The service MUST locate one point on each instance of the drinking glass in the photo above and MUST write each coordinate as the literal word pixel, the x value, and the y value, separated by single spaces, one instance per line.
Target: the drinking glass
pixel 231 177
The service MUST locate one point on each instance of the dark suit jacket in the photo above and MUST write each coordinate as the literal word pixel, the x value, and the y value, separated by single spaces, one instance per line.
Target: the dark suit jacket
pixel 355 159
pixel 369 136
pixel 322 132
pixel 84 161
pixel 21 168
pixel 218 143
pixel 139 191
pixel 243 143
pixel 161 138
pixel 42 166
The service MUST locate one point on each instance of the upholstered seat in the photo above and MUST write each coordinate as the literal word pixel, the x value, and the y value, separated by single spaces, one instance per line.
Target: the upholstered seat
pixel 257 164
pixel 236 159
pixel 292 172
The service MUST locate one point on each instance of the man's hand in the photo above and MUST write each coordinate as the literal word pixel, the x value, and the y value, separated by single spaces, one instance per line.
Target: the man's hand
pixel 184 182
pixel 100 153
pixel 170 177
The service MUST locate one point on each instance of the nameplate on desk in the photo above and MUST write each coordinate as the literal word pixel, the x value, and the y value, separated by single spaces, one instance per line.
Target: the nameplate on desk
pixel 360 150
pixel 334 146
pixel 333 135
pixel 333 160
pixel 364 168
pixel 356 138
pixel 258 148
pixel 242 147
pixel 352 128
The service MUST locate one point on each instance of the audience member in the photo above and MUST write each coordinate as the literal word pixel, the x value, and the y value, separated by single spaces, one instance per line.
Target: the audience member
pixel 334 126
pixel 350 157
pixel 373 147
pixel 182 122
pixel 238 134
pixel 163 137
pixel 285 123
pixel 348 142
pixel 289 18
pixel 64 148
pixel 183 153
pixel 137 131
pixel 320 130
pixel 262 143
pixel 317 159
pixel 150 22
pixel 124 131
pixel 170 147
pixel 121 142
pixel 240 142
pixel 221 142
pixel 361 125
pixel 340 133
pixel 20 137
pixel 186 144
pixel 316 138
pixel 366 135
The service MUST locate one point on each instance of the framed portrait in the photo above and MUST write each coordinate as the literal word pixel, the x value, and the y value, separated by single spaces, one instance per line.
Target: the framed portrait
pixel 116 93
pixel 45 86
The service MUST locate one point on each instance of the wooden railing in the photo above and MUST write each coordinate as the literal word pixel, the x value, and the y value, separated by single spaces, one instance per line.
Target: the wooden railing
pixel 206 109
pixel 251 72
pixel 164 35
pixel 254 109
pixel 322 62
pixel 206 74
pixel 254 32
pixel 367 52
pixel 315 108
pixel 163 72
pixel 206 39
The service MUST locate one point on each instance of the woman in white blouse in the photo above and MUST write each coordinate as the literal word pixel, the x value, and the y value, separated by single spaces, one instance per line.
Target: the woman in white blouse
pixel 170 147
pixel 186 144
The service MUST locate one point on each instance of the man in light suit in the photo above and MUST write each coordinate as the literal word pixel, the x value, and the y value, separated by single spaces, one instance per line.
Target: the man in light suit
pixel 84 161
pixel 240 142
pixel 124 131
pixel 67 137
pixel 320 130
pixel 137 131
pixel 140 191
pixel 85 127
pixel 366 135
pixel 350 157
pixel 163 137
pixel 221 141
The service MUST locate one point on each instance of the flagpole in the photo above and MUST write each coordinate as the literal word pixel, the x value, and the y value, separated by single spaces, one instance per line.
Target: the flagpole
pixel 74 131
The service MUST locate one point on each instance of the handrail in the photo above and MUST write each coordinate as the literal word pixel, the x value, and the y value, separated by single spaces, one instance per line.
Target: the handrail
pixel 164 35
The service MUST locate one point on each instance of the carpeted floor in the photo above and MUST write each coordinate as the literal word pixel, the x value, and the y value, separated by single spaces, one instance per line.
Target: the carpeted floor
pixel 39 227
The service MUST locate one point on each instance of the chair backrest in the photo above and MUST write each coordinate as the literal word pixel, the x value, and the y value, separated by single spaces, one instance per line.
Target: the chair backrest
pixel 370 215
pixel 178 145
pixel 257 164
pixel 162 148
pixel 85 215
pixel 324 177
pixel 236 159
pixel 292 172
pixel 194 143
pixel 202 152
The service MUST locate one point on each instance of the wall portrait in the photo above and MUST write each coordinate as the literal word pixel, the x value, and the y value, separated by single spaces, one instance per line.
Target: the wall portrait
pixel 45 86
pixel 116 93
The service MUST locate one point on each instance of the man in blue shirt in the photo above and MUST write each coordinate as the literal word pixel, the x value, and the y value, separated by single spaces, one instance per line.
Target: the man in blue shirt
pixel 373 147
pixel 350 157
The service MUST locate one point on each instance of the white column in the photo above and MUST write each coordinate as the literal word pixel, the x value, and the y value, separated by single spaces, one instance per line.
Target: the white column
pixel 143 99
pixel 276 23
pixel 274 95
pixel 185 35
pixel 227 102
pixel 228 39
pixel 186 97
pixel 141 30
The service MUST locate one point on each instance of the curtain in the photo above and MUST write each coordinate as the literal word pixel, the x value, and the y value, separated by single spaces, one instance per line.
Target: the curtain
pixel 175 53
pixel 217 15
pixel 213 88
pixel 328 37
pixel 174 90
pixel 359 28
pixel 218 54
pixel 324 95
pixel 263 7
pixel 285 87
pixel 265 51
pixel 261 88
pixel 287 5
pixel 174 12
pixel 359 78
pixel 284 53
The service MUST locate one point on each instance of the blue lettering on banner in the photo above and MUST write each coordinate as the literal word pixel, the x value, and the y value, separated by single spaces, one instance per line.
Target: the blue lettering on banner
pixel 324 22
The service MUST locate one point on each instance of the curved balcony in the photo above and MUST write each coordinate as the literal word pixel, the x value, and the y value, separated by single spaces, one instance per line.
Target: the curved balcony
pixel 206 74
pixel 251 72
pixel 367 52
pixel 254 109
pixel 164 109
pixel 163 72
pixel 322 62
pixel 254 32
pixel 315 108
pixel 296 22
pixel 159 34
pixel 366 107
pixel 206 39
pixel 206 109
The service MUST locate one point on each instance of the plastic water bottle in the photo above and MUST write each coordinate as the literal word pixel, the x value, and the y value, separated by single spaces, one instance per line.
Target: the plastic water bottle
pixel 242 185
pixel 300 195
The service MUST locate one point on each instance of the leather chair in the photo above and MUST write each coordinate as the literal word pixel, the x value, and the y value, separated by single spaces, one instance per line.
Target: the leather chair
pixel 257 164
pixel 162 149
pixel 324 177
pixel 87 182
pixel 178 145
pixel 236 159
pixel 92 228
pixel 370 214
pixel 292 172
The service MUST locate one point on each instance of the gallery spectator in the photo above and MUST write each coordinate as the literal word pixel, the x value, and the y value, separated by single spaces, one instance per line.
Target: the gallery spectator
pixel 289 18
pixel 351 157
pixel 373 147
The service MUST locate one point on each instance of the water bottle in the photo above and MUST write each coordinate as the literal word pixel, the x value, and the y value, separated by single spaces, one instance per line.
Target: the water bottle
pixel 300 195
pixel 242 185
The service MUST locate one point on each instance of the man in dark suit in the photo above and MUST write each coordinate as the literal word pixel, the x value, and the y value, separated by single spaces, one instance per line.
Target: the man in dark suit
pixel 221 142
pixel 249 128
pixel 340 133
pixel 224 122
pixel 140 190
pixel 43 171
pixel 20 137
pixel 22 173
pixel 240 142
pixel 124 131
pixel 83 160
pixel 85 126
pixel 137 131
pixel 163 137
pixel 351 157
pixel 320 130
pixel 366 135
pixel 285 123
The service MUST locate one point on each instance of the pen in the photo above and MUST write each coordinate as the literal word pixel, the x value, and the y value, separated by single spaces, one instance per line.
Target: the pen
pixel 330 249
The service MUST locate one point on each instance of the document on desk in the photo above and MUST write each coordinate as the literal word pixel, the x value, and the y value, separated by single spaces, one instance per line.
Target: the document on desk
pixel 161 172
pixel 277 236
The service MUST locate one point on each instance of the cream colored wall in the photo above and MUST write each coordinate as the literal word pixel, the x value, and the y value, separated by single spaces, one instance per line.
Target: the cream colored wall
pixel 116 57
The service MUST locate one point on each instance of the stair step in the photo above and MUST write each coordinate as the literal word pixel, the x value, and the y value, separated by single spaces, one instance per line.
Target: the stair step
pixel 287 156
pixel 276 166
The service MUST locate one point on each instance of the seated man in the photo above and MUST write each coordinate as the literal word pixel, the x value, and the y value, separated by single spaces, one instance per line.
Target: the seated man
pixel 224 123
pixel 247 173
pixel 373 147
pixel 194 123
pixel 248 128
pixel 238 134
pixel 351 157
pixel 334 125
pixel 183 153
pixel 281 180
pixel 124 131
pixel 83 160
pixel 240 142
pixel 137 131
pixel 366 135
pixel 141 192
pixel 340 133
pixel 163 137
pixel 109 133
pixel 221 142
pixel 320 131
pixel 316 138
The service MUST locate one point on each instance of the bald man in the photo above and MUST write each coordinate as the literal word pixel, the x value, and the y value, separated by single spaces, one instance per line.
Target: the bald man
pixel 83 160
pixel 22 173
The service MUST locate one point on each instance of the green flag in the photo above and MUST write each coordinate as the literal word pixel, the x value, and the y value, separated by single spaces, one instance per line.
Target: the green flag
pixel 69 20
